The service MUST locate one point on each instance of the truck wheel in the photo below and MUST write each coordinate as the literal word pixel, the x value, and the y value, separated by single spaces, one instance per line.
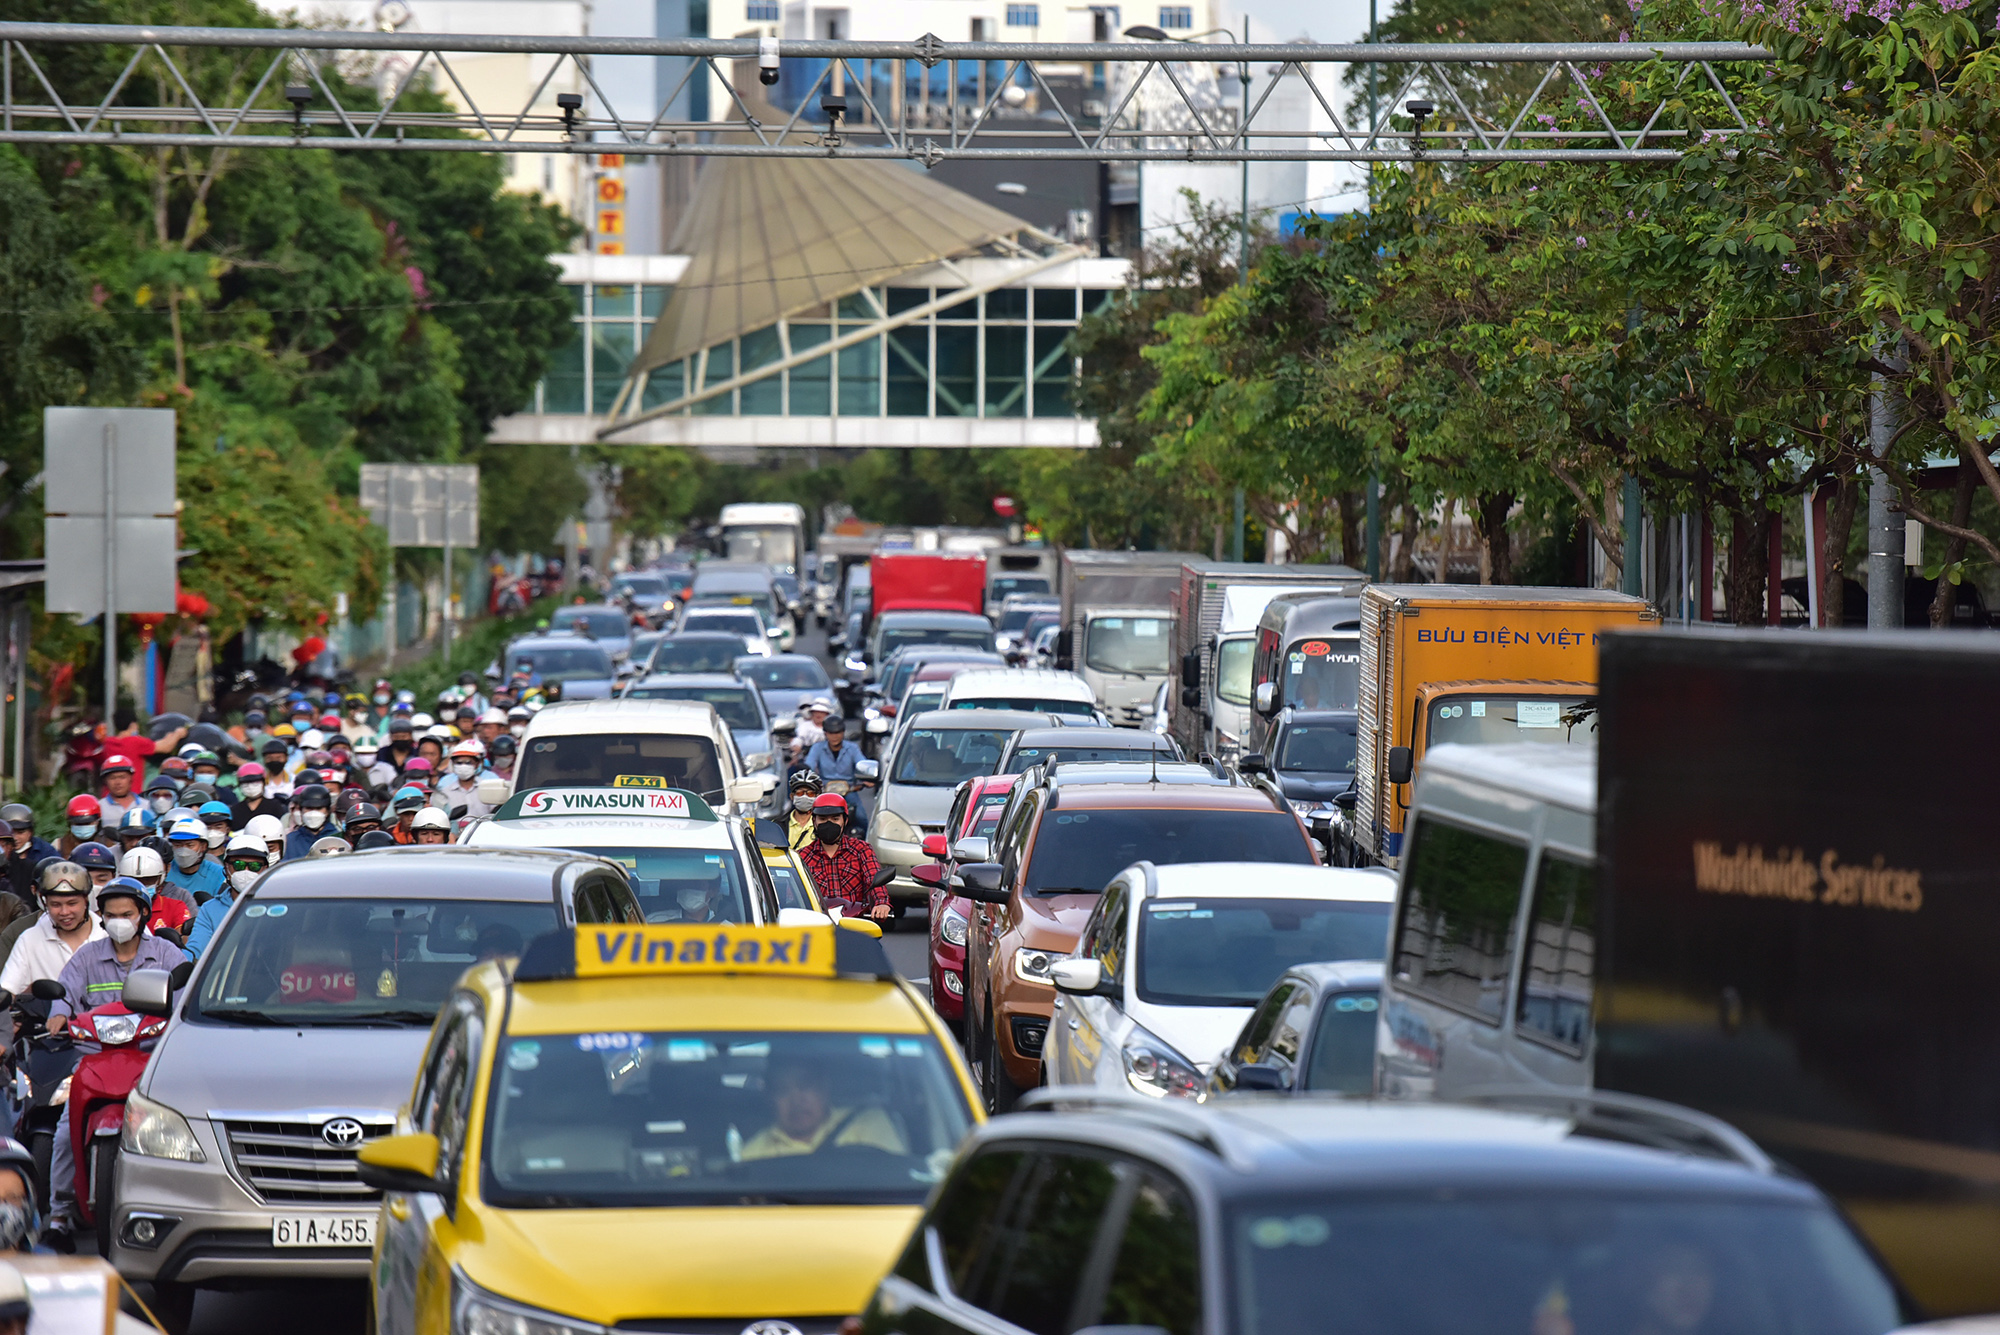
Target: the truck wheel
pixel 103 1189
pixel 42 1144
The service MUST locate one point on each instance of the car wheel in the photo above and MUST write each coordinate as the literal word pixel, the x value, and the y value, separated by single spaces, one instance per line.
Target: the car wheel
pixel 1000 1091
pixel 43 1146
pixel 103 1189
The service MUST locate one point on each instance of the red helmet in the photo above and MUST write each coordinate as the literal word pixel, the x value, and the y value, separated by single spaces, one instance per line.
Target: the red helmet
pixel 250 770
pixel 84 807
pixel 830 803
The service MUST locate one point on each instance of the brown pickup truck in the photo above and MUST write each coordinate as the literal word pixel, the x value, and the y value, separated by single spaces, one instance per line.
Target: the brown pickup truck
pixel 1068 830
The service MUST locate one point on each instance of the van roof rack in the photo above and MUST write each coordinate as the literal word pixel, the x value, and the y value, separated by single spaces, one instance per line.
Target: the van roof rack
pixel 1173 1118
pixel 1632 1118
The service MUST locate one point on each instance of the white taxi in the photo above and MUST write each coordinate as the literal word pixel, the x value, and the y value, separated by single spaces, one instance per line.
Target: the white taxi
pixel 686 863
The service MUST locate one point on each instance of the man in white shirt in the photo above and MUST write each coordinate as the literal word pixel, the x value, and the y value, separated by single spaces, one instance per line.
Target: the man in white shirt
pixel 468 767
pixel 66 924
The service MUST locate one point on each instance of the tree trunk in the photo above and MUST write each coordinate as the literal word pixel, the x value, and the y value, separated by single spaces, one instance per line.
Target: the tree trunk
pixel 1954 547
pixel 1353 530
pixel 1749 543
pixel 1490 517
pixel 1839 527
pixel 1405 552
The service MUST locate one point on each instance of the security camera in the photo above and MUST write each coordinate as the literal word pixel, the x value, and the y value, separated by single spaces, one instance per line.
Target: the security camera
pixel 767 60
pixel 833 107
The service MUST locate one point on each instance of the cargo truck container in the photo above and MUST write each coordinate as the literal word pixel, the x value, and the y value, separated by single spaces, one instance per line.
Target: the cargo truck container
pixel 1767 894
pixel 1481 665
pixel 1118 613
pixel 1216 612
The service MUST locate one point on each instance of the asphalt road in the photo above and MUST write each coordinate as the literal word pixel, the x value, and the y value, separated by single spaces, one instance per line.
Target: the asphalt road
pixel 341 1309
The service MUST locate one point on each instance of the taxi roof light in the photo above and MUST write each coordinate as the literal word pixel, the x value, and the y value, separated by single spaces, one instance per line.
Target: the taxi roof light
pixel 668 950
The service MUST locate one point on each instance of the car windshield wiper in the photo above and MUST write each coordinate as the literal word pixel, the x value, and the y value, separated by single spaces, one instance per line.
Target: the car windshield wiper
pixel 257 1018
pixel 371 1020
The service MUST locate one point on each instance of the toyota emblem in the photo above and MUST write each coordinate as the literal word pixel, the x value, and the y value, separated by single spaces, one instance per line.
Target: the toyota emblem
pixel 771 1326
pixel 343 1133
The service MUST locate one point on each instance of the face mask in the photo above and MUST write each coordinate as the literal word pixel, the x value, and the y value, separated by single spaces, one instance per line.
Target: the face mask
pixel 253 789
pixel 517 728
pixel 314 819
pixel 365 759
pixel 301 724
pixel 18 1224
pixel 207 776
pixel 214 837
pixel 465 769
pixel 242 880
pixel 803 802
pixel 161 803
pixel 828 831
pixel 187 855
pixel 120 930
pixel 692 901
pixel 83 831
pixel 381 697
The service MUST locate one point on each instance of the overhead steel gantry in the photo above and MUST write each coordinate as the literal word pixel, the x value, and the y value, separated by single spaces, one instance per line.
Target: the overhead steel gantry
pixel 267 88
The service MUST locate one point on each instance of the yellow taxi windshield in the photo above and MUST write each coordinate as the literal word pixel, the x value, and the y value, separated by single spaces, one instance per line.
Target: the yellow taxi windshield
pixel 732 1117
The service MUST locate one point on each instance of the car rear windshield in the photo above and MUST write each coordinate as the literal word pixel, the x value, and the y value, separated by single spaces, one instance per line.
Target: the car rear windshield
pixel 564 664
pixel 739 1117
pixel 350 962
pixel 966 638
pixel 1553 719
pixel 1028 704
pixel 680 884
pixel 1078 852
pixel 1547 1262
pixel 736 704
pixel 1319 748
pixel 1003 585
pixel 678 655
pixel 598 625
pixel 946 757
pixel 1343 1045
pixel 1225 952
pixel 1132 646
pixel 599 760
pixel 1025 756
pixel 735 623
pixel 1013 618
pixel 783 674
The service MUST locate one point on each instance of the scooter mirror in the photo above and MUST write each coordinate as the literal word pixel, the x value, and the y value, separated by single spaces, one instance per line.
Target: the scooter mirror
pixel 47 989
pixel 182 972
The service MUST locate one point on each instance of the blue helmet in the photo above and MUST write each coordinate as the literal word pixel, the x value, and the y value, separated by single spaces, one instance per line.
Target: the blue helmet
pixel 94 856
pixel 132 889
pixel 138 818
pixel 208 809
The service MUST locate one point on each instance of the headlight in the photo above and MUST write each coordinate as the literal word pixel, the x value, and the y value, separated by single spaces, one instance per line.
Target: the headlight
pixel 855 663
pixel 157 1131
pixel 757 760
pixel 890 826
pixel 62 1092
pixel 1153 1068
pixel 952 927
pixel 871 713
pixel 1303 808
pixel 474 1311
pixel 1032 966
pixel 114 1030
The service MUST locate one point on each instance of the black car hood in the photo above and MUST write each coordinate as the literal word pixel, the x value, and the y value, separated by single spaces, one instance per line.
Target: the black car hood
pixel 1311 787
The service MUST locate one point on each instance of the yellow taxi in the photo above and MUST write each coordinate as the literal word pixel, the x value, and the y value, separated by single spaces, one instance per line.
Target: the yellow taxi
pixel 638 1125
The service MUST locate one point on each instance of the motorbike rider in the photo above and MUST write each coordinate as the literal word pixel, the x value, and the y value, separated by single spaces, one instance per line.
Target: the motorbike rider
pixel 271 831
pixel 501 755
pixel 430 826
pixel 12 907
pixel 812 727
pixel 119 797
pixel 461 782
pixel 84 815
pixel 804 787
pixel 194 873
pixel 276 758
pixel 149 869
pixel 312 806
pixel 251 797
pixel 65 924
pixel 25 850
pixel 244 859
pixel 409 801
pixel 20 1223
pixel 99 861
pixel 517 719
pixel 135 829
pixel 834 761
pixel 841 865
pixel 364 818
pixel 207 769
pixel 490 725
pixel 217 816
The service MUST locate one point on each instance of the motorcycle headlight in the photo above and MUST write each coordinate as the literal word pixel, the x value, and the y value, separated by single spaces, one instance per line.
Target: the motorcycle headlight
pixel 62 1092
pixel 951 928
pixel 155 1130
pixel 890 826
pixel 1032 966
pixel 1154 1069
pixel 116 1030
pixel 474 1311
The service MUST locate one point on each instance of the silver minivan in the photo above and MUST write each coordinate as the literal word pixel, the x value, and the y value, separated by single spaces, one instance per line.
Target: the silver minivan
pixel 1493 953
pixel 296 1040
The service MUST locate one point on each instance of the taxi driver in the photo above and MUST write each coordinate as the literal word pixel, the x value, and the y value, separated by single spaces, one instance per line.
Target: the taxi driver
pixel 806 1119
pixel 698 894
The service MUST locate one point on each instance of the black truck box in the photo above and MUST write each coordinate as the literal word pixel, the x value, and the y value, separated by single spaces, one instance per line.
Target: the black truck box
pixel 1799 838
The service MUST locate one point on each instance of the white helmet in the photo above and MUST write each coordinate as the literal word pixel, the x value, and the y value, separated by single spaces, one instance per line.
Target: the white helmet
pixel 261 828
pixel 431 818
pixel 442 733
pixel 469 746
pixel 245 841
pixel 141 862
pixel 333 843
pixel 494 716
pixel 188 828
pixel 418 722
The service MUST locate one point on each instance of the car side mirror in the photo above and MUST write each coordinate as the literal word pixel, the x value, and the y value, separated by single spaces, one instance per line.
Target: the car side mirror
pixel 492 792
pixel 1064 649
pixel 406 1163
pixel 1402 764
pixel 983 882
pixel 1267 697
pixel 785 727
pixel 47 989
pixel 775 633
pixel 148 992
pixel 1254 1076
pixel 973 848
pixel 867 770
pixel 1082 978
pixel 1191 669
pixel 1253 762
pixel 1190 697
pixel 183 971
pixel 748 790
pixel 933 846
pixel 1346 800
pixel 928 873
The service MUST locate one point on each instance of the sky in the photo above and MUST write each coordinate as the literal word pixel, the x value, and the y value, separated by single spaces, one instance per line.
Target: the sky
pixel 1322 20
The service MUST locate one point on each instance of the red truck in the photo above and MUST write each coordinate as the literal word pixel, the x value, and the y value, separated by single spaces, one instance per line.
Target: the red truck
pixel 926 582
